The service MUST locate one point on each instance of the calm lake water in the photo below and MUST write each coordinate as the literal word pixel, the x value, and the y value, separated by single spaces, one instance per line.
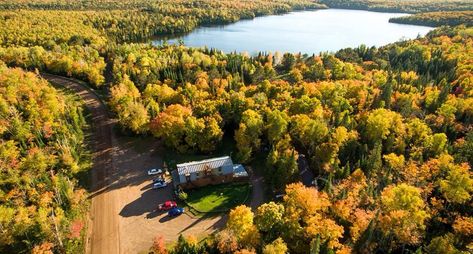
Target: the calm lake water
pixel 305 31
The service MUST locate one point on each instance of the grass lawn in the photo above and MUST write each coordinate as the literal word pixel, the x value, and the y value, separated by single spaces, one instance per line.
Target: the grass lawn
pixel 218 198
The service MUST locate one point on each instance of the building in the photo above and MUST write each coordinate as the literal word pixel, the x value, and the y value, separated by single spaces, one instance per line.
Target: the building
pixel 211 171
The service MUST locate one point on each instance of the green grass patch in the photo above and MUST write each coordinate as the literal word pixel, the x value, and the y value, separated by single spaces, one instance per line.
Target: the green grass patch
pixel 218 198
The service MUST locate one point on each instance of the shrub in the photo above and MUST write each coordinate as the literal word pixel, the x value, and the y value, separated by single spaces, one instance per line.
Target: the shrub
pixel 182 196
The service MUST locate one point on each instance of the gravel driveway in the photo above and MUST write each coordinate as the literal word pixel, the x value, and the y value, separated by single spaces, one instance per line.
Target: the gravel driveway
pixel 121 216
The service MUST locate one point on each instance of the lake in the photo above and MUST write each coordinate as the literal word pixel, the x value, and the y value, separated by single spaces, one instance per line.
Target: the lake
pixel 303 31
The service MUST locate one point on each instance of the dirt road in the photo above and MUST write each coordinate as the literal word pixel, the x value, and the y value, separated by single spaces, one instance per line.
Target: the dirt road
pixel 103 235
pixel 121 217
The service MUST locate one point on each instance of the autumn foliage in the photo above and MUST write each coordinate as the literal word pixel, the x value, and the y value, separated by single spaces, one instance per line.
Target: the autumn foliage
pixel 41 151
pixel 387 132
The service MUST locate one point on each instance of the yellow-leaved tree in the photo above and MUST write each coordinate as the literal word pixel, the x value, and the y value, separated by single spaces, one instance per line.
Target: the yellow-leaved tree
pixel 403 213
pixel 240 223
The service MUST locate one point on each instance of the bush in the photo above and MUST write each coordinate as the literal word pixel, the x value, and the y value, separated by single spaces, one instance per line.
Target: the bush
pixel 182 196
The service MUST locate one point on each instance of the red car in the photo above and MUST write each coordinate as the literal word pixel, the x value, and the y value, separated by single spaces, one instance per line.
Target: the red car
pixel 167 205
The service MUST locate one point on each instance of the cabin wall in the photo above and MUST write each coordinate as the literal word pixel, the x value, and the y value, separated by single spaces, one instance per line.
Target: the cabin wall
pixel 209 180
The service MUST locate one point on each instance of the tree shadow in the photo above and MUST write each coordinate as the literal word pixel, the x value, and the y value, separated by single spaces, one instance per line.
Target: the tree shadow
pixel 305 173
pixel 148 186
pixel 128 166
pixel 168 218
pixel 218 224
pixel 155 213
pixel 146 203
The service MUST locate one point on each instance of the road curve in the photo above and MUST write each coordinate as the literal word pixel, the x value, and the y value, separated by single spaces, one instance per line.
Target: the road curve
pixel 122 217
pixel 103 234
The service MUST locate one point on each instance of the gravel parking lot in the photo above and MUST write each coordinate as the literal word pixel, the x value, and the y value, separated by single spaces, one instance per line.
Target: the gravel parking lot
pixel 139 222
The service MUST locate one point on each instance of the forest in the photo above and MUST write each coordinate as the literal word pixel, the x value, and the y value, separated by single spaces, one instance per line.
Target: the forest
pixel 42 153
pixel 74 39
pixel 387 131
pixel 131 21
pixel 409 6
pixel 66 40
pixel 436 19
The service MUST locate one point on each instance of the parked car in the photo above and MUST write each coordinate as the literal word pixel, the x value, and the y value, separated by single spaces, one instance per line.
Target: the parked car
pixel 167 205
pixel 158 179
pixel 155 171
pixel 159 185
pixel 176 211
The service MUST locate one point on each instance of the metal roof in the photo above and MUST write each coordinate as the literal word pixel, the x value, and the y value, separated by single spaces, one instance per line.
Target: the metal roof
pixel 239 171
pixel 199 166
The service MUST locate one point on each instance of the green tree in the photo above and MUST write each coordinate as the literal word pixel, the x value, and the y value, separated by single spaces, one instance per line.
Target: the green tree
pixel 287 63
pixel 135 117
pixel 387 92
pixel 278 246
pixel 442 245
pixel 404 213
pixel 385 125
pixel 458 184
pixel 308 132
pixel 277 125
pixel 269 219
pixel 240 223
pixel 186 245
pixel 248 135
pixel 282 163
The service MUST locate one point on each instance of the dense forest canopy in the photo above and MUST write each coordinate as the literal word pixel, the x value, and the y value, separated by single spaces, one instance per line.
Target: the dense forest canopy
pixel 410 6
pixel 143 4
pixel 135 20
pixel 386 131
pixel 41 152
pixel 381 5
pixel 73 37
pixel 449 18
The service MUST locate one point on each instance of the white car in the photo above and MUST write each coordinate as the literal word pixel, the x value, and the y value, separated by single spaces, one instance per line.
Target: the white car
pixel 155 171
pixel 159 185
